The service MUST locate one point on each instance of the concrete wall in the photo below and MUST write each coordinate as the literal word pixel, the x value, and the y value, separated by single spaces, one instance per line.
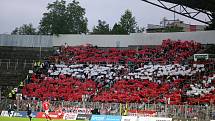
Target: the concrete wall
pixel 26 40
pixel 99 40
pixel 204 37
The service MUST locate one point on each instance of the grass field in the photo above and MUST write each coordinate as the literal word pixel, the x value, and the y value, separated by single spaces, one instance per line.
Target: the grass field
pixel 26 119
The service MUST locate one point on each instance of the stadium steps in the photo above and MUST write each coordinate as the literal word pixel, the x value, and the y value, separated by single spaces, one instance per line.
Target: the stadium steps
pixel 10 78
pixel 16 61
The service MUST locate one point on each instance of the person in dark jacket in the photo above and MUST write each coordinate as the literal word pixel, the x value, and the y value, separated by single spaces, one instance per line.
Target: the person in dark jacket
pixel 29 111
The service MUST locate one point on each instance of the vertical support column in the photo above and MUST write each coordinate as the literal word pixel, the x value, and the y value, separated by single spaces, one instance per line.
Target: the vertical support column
pixel 0 93
pixel 9 63
pixel 185 113
pixel 24 64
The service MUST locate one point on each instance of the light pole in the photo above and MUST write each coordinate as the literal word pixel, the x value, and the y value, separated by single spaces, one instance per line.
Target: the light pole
pixel 40 46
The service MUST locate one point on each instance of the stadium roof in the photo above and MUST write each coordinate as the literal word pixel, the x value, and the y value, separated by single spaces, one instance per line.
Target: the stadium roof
pixel 198 7
pixel 208 5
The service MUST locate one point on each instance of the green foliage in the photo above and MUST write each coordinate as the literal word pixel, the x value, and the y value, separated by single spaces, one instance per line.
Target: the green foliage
pixel 76 21
pixel 118 29
pixel 139 29
pixel 173 29
pixel 63 19
pixel 101 28
pixel 126 25
pixel 127 21
pixel 53 22
pixel 25 29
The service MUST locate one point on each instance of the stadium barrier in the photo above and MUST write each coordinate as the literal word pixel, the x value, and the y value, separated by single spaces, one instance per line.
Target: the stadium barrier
pixel 129 118
pixel 5 113
pixel 183 119
pixel 24 114
pixel 145 113
pixel 53 115
pixel 105 118
pixel 204 113
pixel 18 114
pixel 70 116
pixel 154 119
pixel 74 116
pixel 83 116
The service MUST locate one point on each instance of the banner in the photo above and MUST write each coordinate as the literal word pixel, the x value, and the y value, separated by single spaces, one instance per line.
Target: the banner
pixel 105 118
pixel 70 116
pixel 154 119
pixel 78 110
pixel 98 118
pixel 20 114
pixel 113 118
pixel 24 114
pixel 144 113
pixel 183 119
pixel 83 117
pixel 129 118
pixel 53 115
pixel 5 113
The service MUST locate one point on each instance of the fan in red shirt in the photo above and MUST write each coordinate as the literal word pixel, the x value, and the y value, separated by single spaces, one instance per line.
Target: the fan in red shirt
pixel 46 105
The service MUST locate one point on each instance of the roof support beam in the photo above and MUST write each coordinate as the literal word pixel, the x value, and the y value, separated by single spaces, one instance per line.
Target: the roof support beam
pixel 184 11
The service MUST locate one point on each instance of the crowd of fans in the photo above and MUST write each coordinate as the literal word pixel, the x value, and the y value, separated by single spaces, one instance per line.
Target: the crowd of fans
pixel 148 75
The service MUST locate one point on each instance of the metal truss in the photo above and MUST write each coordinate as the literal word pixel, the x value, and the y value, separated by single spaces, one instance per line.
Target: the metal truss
pixel 183 10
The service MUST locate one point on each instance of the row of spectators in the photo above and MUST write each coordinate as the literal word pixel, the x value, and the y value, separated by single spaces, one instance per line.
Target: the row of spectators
pixel 165 78
pixel 169 52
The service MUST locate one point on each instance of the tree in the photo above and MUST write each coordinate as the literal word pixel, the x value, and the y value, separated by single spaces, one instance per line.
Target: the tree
pixel 53 22
pixel 173 29
pixel 76 22
pixel 101 28
pixel 15 31
pixel 62 19
pixel 118 29
pixel 25 29
pixel 127 21
pixel 139 29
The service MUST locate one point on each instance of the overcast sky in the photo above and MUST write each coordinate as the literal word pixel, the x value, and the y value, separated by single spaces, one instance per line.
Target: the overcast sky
pixel 14 13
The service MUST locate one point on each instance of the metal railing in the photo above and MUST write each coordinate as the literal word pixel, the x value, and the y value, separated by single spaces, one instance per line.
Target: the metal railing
pixel 7 64
pixel 203 113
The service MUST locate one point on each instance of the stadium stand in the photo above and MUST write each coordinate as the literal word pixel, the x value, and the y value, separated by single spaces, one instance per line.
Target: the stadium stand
pixel 15 63
pixel 151 75
pixel 163 80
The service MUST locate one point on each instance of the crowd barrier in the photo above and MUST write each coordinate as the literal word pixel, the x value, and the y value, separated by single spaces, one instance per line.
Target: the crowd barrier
pixel 73 116
pixel 105 118
pixel 183 119
pixel 129 118
pixel 18 114
pixel 90 117
pixel 53 115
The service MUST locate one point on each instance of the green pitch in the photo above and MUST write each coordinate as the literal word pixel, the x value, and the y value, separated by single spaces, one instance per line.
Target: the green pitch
pixel 27 119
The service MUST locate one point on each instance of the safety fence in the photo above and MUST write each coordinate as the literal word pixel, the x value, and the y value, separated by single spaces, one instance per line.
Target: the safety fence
pixel 92 117
pixel 16 65
pixel 201 112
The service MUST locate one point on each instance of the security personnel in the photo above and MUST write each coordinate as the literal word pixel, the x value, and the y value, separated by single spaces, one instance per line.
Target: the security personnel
pixel 10 95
